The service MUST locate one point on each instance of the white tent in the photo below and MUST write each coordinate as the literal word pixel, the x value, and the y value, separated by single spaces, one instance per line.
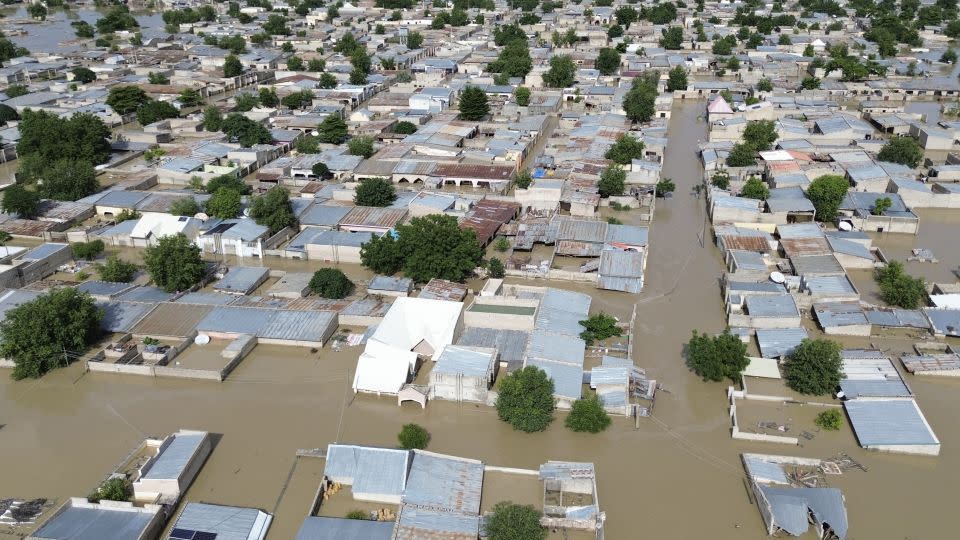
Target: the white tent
pixel 411 327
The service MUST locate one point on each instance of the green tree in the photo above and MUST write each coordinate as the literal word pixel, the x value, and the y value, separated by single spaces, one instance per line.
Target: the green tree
pixel 49 331
pixel 741 155
pixel 715 358
pixel 115 489
pixel 672 39
pixel 625 150
pixel 333 130
pixel 154 110
pixel 382 254
pixel 7 114
pixel 330 283
pixel 174 263
pixel 273 210
pixel 295 63
pixel 526 400
pixel 826 193
pixel 232 66
pixel 599 327
pixel 615 31
pixel 608 61
pixel 327 80
pixel 83 75
pixel 361 146
pixel 298 100
pixel 125 99
pixel 639 102
pixel 677 80
pixel 587 415
pixel 375 192
pixel 321 170
pixel 276 25
pixel 755 188
pixel 116 270
pixel 720 179
pixel 665 186
pixel 246 102
pixel 19 200
pixel 511 521
pixel 82 29
pixel 522 179
pixel 501 245
pixel 245 131
pixel 316 65
pixel 68 180
pixel 612 181
pixel 473 104
pixel 810 83
pixel 190 97
pixel 268 97
pixel 897 288
pixel 157 78
pixel 813 367
pixel 414 40
pixel 514 60
pixel 87 250
pixel 830 420
pixel 117 19
pixel 428 247
pixel 212 118
pixel 522 95
pixel 405 128
pixel 760 134
pixel 225 204
pixel 903 150
pixel 562 72
pixel 185 206
pixel 413 436
pixel 881 205
pixel 495 268
pixel 765 85
pixel 226 181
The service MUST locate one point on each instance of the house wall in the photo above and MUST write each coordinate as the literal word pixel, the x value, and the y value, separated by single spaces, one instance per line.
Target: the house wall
pixel 335 254
pixel 458 387
pixel 888 224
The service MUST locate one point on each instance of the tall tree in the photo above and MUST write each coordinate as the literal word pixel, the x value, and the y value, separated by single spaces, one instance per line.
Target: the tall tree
pixel 608 61
pixel 375 192
pixel 525 400
pixel 826 193
pixel 333 130
pixel 813 367
pixel 715 358
pixel 473 104
pixel 174 263
pixel 273 210
pixel 562 72
pixel 677 80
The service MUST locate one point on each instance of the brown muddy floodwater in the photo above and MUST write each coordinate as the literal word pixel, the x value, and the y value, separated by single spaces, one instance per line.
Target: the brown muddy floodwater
pixel 678 476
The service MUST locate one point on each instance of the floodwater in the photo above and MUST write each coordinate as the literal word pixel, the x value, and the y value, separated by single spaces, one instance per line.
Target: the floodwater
pixel 55 34
pixel 677 476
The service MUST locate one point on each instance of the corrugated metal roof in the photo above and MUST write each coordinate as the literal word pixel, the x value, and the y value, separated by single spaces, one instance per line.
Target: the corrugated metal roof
pixel 78 523
pixel 889 422
pixel 828 285
pixel 765 471
pixel 150 295
pixel 122 316
pixel 772 306
pixel 43 251
pixel 816 265
pixel 235 320
pixel 896 317
pixel 791 507
pixel 944 321
pixel 567 378
pixel 469 362
pixel 582 230
pixel 444 483
pixel 556 348
pixel 628 234
pixel 848 247
pixel 369 216
pixel 206 298
pixel 226 522
pixel 330 528
pixel 834 314
pixel 310 326
pixel 172 319
pixel 512 344
pixel 378 471
pixel 800 230
pixel 777 342
pixel 242 279
pixel 390 283
pixel 417 524
pixel 324 215
pixel 103 289
pixel 173 459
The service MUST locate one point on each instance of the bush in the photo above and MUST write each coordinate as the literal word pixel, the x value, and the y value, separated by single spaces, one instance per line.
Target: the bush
pixel 273 210
pixel 361 146
pixel 522 179
pixel 225 204
pixel 495 268
pixel 525 400
pixel 87 250
pixel 185 206
pixel 114 489
pixel 405 128
pixel 826 193
pixel 117 270
pixel 522 95
pixel 664 187
pixel 358 514
pixel 599 327
pixel 898 288
pixel 720 179
pixel 755 188
pixel 625 150
pixel 830 420
pixel 501 245
pixel 715 358
pixel 587 415
pixel 612 181
pixel 331 283
pixel 813 367
pixel 174 263
pixel 511 521
pixel 902 150
pixel 49 331
pixel 413 436
pixel 375 192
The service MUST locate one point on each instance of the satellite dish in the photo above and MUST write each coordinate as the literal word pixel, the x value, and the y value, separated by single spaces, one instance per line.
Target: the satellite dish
pixel 845 226
pixel 201 216
pixel 201 339
pixel 777 277
pixel 315 133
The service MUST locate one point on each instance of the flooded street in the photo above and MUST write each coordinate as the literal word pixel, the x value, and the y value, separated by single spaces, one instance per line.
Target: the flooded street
pixel 678 476
pixel 56 32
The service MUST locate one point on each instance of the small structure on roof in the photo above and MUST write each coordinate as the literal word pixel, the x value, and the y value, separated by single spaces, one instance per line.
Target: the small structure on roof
pixel 441 289
pixel 175 461
pixel 390 286
pixel 463 373
pixel 570 496
pixel 242 279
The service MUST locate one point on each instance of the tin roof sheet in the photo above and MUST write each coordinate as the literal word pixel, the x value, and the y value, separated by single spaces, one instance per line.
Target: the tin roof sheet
pixel 225 522
pixel 444 483
pixel 330 528
pixel 79 523
pixel 418 524
pixel 173 459
pixel 778 342
pixel 772 306
pixel 242 279
pixel 889 422
pixel 377 471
